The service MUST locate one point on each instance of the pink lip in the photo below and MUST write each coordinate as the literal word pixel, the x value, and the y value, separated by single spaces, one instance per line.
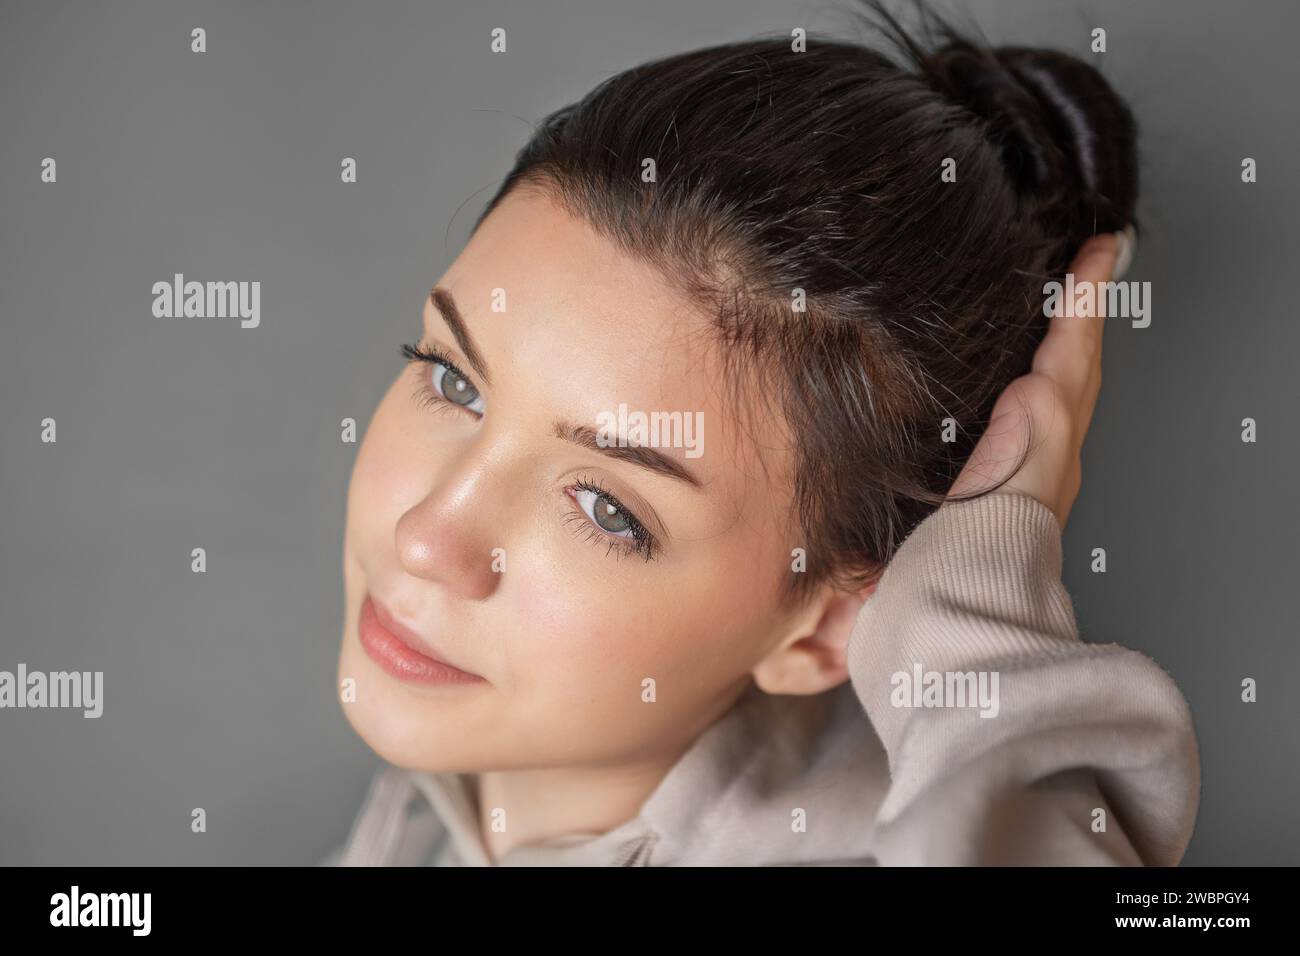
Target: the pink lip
pixel 402 652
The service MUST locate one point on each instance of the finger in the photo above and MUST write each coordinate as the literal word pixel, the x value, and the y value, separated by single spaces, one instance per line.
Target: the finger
pixel 1094 265
pixel 1070 353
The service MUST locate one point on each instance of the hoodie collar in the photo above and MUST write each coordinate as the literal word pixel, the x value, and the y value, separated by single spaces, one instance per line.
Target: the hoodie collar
pixel 778 779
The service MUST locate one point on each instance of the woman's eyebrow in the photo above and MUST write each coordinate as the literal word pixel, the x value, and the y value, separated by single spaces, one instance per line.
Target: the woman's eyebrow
pixel 583 435
pixel 641 455
pixel 446 306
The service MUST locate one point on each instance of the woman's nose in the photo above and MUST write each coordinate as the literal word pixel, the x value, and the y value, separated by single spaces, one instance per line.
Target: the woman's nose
pixel 448 536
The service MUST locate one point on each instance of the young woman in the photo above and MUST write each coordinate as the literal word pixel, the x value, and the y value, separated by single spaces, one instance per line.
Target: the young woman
pixel 716 516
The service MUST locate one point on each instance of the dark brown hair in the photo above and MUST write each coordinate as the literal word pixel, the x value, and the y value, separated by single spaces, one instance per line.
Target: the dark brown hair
pixel 820 170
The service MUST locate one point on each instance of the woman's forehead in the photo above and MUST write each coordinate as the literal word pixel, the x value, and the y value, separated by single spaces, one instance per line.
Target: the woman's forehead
pixel 577 323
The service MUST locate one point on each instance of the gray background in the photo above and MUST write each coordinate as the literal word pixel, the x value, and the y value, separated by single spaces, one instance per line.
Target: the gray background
pixel 177 433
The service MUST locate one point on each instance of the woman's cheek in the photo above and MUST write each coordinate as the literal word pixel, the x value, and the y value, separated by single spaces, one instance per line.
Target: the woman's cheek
pixel 584 634
pixel 592 677
pixel 387 479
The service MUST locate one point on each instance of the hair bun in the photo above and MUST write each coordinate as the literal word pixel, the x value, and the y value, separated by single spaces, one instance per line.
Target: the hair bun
pixel 1067 138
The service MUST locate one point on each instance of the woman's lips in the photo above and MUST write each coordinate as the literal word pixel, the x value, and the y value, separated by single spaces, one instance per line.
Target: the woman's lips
pixel 401 652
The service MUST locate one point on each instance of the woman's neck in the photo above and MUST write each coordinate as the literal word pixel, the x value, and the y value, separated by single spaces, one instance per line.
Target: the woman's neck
pixel 552 802
pixel 545 803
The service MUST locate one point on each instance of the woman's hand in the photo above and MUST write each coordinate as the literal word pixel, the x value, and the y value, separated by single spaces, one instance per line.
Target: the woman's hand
pixel 1052 405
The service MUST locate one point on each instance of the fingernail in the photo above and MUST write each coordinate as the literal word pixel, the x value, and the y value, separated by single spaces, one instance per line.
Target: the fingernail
pixel 1126 245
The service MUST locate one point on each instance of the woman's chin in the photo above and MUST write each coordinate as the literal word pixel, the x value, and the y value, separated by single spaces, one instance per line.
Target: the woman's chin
pixel 397 722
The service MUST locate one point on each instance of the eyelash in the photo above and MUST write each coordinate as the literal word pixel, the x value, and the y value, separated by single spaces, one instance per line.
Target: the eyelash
pixel 641 542
pixel 428 396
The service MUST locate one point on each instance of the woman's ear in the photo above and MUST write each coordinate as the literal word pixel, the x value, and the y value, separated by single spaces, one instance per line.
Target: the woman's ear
pixel 813 656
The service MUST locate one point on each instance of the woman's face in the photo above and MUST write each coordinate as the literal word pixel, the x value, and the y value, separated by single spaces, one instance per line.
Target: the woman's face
pixel 513 551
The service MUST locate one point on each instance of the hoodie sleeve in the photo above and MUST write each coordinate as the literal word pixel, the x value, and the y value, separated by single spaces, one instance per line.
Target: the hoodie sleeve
pixel 1045 750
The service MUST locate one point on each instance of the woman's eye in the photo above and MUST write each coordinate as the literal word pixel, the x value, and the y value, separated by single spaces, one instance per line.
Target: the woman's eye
pixel 613 521
pixel 455 388
pixel 604 513
pixel 445 385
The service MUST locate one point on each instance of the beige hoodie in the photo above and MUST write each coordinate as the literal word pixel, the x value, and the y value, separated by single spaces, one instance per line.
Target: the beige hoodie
pixel 1087 753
